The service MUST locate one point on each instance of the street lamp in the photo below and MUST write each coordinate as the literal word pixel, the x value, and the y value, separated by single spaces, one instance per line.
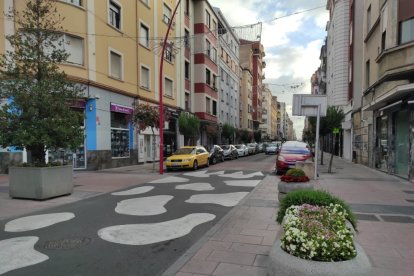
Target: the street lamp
pixel 161 126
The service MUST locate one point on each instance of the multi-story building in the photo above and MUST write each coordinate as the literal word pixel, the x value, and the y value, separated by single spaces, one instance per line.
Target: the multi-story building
pixel 229 85
pixel 206 69
pixel 246 95
pixel 273 128
pixel 388 89
pixel 266 125
pixel 252 54
pixel 281 120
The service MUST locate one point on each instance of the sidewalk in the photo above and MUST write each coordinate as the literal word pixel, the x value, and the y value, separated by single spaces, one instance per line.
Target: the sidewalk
pixel 240 243
pixel 86 184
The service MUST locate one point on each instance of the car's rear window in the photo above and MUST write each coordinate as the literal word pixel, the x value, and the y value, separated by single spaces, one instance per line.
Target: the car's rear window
pixel 185 151
pixel 238 147
pixel 225 147
pixel 295 150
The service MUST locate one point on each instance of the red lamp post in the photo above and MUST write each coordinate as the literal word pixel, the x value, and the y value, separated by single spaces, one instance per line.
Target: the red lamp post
pixel 161 126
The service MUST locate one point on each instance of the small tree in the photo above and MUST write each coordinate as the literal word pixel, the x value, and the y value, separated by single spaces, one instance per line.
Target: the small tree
pixel 189 126
pixel 227 132
pixel 257 136
pixel 244 135
pixel 37 115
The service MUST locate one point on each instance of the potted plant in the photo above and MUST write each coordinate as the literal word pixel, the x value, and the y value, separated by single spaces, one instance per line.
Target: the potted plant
pixel 294 179
pixel 37 114
pixel 317 237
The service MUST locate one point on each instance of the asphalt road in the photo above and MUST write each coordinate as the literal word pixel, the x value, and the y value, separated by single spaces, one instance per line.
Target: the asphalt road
pixel 73 247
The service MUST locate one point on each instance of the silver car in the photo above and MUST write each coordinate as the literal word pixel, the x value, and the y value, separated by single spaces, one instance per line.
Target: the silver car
pixel 242 150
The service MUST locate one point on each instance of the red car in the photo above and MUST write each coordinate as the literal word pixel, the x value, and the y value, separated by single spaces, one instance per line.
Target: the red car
pixel 290 152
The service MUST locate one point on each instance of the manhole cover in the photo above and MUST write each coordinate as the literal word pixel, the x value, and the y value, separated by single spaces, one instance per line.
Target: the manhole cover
pixel 69 243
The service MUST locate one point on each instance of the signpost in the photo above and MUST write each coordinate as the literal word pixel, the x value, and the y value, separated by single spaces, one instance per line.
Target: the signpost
pixel 311 106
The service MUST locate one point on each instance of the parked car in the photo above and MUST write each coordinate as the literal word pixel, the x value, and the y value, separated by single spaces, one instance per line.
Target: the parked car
pixel 252 148
pixel 272 148
pixel 230 152
pixel 291 152
pixel 260 147
pixel 242 150
pixel 216 154
pixel 188 157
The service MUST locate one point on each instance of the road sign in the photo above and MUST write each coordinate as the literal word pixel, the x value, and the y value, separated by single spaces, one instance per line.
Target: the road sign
pixel 307 105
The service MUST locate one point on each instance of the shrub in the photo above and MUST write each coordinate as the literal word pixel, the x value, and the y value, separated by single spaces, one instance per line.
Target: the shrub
pixel 295 172
pixel 313 197
pixel 318 233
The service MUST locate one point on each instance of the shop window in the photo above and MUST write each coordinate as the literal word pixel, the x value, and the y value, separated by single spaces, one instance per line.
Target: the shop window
pixel 119 135
pixel 115 14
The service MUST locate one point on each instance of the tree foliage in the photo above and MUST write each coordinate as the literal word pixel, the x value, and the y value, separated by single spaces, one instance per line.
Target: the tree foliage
pixel 227 131
pixel 37 114
pixel 146 116
pixel 257 136
pixel 189 126
pixel 245 135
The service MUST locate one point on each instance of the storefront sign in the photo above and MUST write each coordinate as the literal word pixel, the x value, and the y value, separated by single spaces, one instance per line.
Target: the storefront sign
pixel 121 109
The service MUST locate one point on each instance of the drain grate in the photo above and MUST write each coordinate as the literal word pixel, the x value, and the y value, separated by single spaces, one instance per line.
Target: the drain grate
pixel 367 217
pixel 400 219
pixel 69 243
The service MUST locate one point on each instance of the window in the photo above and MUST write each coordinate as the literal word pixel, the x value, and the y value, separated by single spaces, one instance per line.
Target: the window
pixel 145 77
pixel 208 19
pixel 208 110
pixel 119 134
pixel 222 74
pixel 214 55
pixel 187 70
pixel 214 108
pixel 187 7
pixel 74 2
pixel 406 33
pixel 144 35
pixel 214 82
pixel 214 27
pixel 208 48
pixel 208 77
pixel 367 72
pixel 187 39
pixel 115 65
pixel 168 88
pixel 168 53
pixel 368 19
pixel 167 14
pixel 187 101
pixel 146 2
pixel 114 14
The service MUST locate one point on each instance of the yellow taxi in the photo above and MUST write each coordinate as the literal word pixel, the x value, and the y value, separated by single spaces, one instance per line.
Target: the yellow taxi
pixel 188 157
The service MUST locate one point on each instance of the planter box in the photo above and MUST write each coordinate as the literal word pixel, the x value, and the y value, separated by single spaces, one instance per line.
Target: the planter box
pixel 282 263
pixel 40 183
pixel 286 187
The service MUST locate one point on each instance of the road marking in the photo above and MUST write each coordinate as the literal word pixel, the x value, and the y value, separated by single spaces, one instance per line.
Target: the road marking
pixel 170 179
pixel 36 222
pixel 148 233
pixel 143 206
pixel 19 252
pixel 242 183
pixel 203 174
pixel 195 187
pixel 240 175
pixel 228 199
pixel 134 191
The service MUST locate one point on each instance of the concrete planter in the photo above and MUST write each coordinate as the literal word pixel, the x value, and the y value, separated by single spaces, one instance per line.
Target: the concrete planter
pixel 286 187
pixel 40 183
pixel 282 263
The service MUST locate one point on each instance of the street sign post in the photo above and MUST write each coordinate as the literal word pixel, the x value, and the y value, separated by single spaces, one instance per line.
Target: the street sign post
pixel 311 106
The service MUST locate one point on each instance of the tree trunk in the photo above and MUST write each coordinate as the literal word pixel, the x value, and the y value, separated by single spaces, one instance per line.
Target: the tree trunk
pixel 332 154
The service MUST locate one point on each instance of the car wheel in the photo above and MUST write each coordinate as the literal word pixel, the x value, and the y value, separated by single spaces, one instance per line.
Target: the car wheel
pixel 195 165
pixel 214 161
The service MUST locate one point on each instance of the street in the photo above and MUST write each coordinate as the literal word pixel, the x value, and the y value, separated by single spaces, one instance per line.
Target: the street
pixel 141 230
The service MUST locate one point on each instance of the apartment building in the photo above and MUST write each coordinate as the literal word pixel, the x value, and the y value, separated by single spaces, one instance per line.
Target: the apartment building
pixel 273 124
pixel 266 125
pixel 229 85
pixel 246 95
pixel 251 56
pixel 388 89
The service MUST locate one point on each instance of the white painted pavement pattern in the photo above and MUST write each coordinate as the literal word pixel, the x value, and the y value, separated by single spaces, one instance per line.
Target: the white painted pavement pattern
pixel 240 175
pixel 228 199
pixel 203 174
pixel 148 233
pixel 170 179
pixel 143 206
pixel 19 252
pixel 195 187
pixel 134 191
pixel 242 183
pixel 36 222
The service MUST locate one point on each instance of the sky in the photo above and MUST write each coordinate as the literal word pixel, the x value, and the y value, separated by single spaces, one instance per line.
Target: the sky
pixel 292 44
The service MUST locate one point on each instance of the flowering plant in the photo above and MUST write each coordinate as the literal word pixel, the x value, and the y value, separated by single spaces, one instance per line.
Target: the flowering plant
pixel 295 175
pixel 317 233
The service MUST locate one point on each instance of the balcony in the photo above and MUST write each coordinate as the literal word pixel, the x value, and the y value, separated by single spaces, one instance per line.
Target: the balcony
pixel 396 63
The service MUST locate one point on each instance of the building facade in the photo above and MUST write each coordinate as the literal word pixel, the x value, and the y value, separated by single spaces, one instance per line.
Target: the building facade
pixel 266 125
